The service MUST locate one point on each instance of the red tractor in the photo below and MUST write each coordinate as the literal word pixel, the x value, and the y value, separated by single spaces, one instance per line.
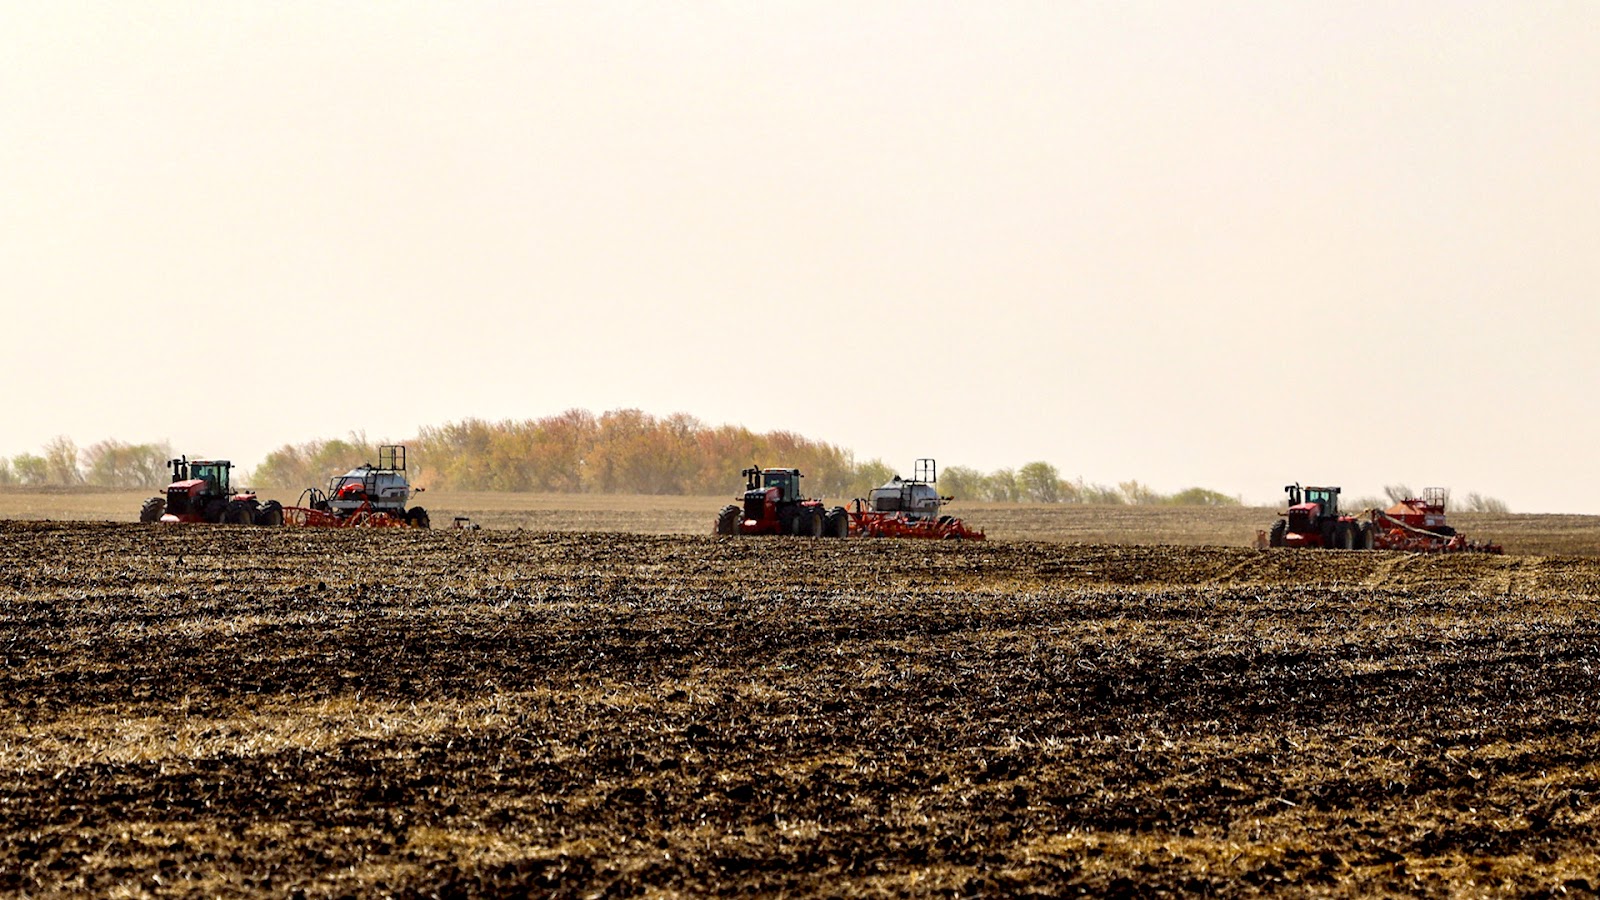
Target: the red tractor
pixel 1313 520
pixel 773 504
pixel 199 492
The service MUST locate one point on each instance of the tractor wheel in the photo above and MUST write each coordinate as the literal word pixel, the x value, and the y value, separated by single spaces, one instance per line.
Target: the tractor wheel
pixel 418 517
pixel 1275 536
pixel 728 520
pixel 837 523
pixel 813 524
pixel 152 510
pixel 239 512
pixel 1345 535
pixel 270 514
pixel 1366 537
pixel 214 511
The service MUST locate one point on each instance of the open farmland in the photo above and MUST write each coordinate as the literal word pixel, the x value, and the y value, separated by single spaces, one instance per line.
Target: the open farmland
pixel 233 711
pixel 1533 534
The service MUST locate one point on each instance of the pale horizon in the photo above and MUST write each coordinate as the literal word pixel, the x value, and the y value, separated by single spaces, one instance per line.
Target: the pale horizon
pixel 1226 245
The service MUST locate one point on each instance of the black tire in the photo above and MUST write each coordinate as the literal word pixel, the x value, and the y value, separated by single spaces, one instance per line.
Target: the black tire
pixel 814 523
pixel 214 511
pixel 152 510
pixel 418 517
pixel 728 520
pixel 1367 537
pixel 1345 536
pixel 270 514
pixel 837 524
pixel 1330 535
pixel 239 512
pixel 1275 536
pixel 789 520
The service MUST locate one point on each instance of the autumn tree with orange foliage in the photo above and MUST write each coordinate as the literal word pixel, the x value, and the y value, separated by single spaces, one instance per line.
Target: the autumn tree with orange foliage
pixel 623 451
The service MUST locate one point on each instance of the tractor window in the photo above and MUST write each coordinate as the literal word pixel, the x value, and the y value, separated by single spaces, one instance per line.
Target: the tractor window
pixel 783 481
pixel 1328 499
pixel 215 477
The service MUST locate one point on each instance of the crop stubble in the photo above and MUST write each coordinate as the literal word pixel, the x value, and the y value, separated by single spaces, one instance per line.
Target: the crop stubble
pixel 230 711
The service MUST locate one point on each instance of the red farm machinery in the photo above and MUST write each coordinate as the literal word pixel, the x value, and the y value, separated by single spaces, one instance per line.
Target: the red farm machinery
pixel 909 508
pixel 1415 524
pixel 774 504
pixel 368 496
pixel 200 493
pixel 1313 520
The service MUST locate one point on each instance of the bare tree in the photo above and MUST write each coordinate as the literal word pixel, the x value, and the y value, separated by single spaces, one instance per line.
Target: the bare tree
pixel 1398 492
pixel 61 461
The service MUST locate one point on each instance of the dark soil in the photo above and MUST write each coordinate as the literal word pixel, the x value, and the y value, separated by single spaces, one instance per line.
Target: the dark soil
pixel 229 711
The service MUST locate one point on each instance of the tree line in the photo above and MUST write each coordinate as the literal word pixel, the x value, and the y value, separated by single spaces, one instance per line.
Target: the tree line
pixel 107 464
pixel 623 451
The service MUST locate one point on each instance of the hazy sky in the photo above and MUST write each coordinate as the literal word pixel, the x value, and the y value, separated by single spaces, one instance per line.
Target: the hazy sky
pixel 1221 244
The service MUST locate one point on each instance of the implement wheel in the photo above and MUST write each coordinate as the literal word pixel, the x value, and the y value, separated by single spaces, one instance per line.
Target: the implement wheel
pixel 417 517
pixel 270 514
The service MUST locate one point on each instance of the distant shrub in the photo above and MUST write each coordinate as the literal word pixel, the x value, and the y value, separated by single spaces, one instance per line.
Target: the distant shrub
pixel 1197 496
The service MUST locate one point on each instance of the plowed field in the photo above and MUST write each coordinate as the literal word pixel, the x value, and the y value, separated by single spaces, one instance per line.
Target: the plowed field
pixel 229 711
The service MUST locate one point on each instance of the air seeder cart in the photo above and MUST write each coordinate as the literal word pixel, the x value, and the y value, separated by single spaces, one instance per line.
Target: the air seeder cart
pixel 910 508
pixel 368 496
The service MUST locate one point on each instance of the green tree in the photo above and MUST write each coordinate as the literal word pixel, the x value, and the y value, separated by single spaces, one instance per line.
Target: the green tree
pixel 1039 482
pixel 870 474
pixel 313 463
pixel 1002 486
pixel 962 482
pixel 32 470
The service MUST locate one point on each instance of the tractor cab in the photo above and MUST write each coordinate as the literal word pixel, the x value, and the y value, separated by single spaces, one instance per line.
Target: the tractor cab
pixel 214 473
pixel 787 482
pixel 1325 497
pixel 1309 506
pixel 199 491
